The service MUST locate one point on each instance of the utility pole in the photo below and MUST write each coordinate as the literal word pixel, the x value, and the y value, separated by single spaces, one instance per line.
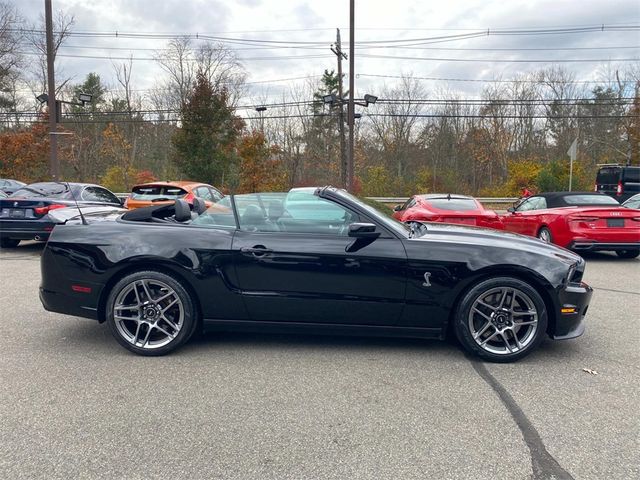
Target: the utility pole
pixel 337 49
pixel 53 138
pixel 351 108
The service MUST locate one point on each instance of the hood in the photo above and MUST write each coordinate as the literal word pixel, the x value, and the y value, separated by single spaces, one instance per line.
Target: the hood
pixel 91 214
pixel 460 234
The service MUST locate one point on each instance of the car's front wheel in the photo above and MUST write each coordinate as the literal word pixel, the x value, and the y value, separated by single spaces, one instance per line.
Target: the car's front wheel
pixel 150 313
pixel 501 319
pixel 633 253
pixel 544 234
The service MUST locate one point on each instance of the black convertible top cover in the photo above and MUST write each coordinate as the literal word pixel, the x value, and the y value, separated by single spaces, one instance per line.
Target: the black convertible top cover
pixel 559 199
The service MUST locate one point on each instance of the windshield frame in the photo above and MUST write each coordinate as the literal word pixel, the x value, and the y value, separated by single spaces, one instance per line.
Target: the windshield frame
pixel 393 226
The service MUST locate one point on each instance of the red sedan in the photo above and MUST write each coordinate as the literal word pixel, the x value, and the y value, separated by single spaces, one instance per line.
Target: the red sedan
pixel 579 221
pixel 449 208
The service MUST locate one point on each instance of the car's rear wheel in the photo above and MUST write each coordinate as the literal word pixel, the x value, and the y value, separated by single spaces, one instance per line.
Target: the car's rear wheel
pixel 150 313
pixel 633 253
pixel 9 242
pixel 544 234
pixel 501 319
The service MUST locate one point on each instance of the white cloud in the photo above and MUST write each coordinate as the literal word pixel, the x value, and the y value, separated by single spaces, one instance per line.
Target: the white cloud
pixel 303 21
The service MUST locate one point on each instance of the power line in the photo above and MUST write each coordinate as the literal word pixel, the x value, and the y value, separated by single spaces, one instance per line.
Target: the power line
pixel 492 80
pixel 104 57
pixel 501 60
pixel 394 41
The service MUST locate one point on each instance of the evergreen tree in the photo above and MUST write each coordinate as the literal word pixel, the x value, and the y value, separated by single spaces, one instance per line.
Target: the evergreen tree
pixel 206 141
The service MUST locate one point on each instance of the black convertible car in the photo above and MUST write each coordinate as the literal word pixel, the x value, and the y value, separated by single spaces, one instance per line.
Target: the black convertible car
pixel 311 260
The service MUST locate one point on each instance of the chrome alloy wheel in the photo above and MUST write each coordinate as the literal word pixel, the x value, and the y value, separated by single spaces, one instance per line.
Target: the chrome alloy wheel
pixel 148 313
pixel 545 235
pixel 503 320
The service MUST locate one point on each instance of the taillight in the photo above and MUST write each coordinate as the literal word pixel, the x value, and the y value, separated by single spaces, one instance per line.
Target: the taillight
pixel 619 190
pixel 189 197
pixel 48 208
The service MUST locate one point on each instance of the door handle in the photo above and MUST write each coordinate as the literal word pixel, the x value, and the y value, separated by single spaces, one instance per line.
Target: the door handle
pixel 256 251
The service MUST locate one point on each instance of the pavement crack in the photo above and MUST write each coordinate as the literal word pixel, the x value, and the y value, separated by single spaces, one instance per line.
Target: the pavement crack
pixel 616 291
pixel 544 466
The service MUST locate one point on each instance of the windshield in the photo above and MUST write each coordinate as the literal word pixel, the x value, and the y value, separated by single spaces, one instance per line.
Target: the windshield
pixel 460 204
pixel 389 222
pixel 608 175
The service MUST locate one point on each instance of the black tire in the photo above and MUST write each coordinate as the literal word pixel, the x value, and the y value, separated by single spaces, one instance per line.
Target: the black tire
pixel 9 242
pixel 633 253
pixel 158 285
pixel 528 334
pixel 544 234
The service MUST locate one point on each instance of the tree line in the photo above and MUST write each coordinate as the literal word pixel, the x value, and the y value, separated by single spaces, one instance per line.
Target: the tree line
pixel 195 124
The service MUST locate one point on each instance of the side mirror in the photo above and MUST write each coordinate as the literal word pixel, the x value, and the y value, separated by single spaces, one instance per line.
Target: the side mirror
pixel 363 230
pixel 511 210
pixel 397 208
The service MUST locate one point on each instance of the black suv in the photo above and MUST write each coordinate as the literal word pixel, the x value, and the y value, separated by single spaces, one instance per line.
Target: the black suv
pixel 618 181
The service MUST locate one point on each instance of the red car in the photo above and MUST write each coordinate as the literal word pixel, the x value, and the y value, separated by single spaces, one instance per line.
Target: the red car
pixel 578 221
pixel 447 208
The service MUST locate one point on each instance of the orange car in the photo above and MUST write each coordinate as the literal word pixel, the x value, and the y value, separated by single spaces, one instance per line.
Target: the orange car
pixel 158 193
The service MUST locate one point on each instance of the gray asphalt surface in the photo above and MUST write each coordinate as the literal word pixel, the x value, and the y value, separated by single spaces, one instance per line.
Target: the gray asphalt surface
pixel 74 404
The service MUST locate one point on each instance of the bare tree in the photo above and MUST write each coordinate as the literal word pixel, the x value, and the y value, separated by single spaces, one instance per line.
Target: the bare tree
pixel 181 61
pixel 62 25
pixel 10 58
pixel 395 129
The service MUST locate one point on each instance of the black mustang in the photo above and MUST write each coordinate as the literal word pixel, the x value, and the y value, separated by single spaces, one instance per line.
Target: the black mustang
pixel 311 260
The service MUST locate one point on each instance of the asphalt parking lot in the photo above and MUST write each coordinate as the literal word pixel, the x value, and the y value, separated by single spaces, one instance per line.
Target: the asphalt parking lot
pixel 74 404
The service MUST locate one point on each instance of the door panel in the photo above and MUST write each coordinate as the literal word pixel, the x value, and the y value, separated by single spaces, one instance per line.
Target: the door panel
pixel 305 278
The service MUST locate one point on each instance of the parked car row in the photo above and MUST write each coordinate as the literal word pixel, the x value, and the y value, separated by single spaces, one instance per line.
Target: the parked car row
pixel 25 209
pixel 579 221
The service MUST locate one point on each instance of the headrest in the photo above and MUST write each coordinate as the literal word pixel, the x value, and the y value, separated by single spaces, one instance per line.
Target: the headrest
pixel 183 212
pixel 198 205
pixel 252 214
pixel 276 209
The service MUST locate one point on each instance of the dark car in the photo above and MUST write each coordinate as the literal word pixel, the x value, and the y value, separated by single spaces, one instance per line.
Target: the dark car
pixel 618 181
pixel 9 186
pixel 24 214
pixel 158 274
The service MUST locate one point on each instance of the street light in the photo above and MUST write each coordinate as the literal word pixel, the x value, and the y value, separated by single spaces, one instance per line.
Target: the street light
pixel 330 99
pixel 370 99
pixel 83 97
pixel 87 97
pixel 260 111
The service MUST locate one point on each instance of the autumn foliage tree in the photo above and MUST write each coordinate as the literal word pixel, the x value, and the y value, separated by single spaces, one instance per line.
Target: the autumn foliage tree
pixel 24 154
pixel 260 169
pixel 206 142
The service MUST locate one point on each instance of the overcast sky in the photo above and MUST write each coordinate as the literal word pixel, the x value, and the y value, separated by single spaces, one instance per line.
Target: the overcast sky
pixel 376 20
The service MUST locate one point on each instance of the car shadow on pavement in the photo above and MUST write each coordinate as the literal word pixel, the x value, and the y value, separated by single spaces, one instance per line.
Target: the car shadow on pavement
pixel 605 257
pixel 242 340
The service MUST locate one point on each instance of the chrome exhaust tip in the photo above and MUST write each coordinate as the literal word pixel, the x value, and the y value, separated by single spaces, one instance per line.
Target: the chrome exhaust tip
pixel 37 238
